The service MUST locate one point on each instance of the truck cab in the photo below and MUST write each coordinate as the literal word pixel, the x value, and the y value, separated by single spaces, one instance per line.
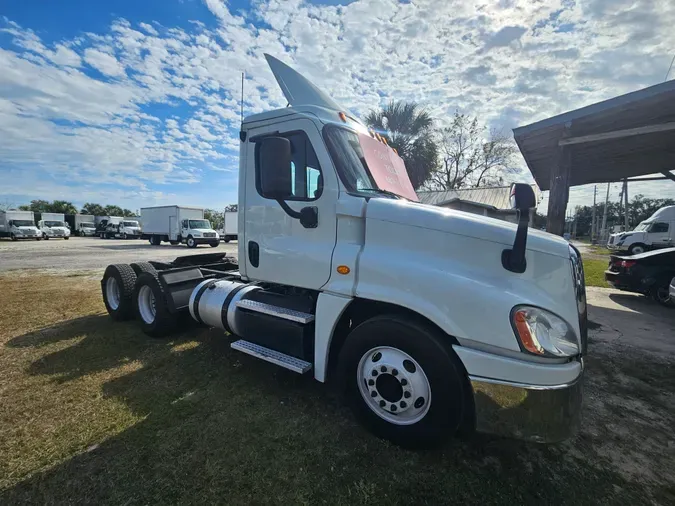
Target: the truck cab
pixel 658 231
pixel 53 226
pixel 430 320
pixel 127 228
pixel 197 231
pixel 18 225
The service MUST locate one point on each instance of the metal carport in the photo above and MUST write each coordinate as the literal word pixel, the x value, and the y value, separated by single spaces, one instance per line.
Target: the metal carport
pixel 626 136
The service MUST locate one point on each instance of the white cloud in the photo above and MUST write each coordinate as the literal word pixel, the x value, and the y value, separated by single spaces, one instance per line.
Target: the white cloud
pixel 103 62
pixel 165 106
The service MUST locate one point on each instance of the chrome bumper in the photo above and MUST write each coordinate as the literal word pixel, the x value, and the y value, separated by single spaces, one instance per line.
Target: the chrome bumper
pixel 543 414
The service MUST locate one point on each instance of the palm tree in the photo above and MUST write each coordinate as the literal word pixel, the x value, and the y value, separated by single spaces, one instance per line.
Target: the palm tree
pixel 407 127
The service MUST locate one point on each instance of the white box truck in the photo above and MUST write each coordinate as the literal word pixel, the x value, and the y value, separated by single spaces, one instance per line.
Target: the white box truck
pixel 18 225
pixel 177 224
pixel 467 323
pixel 230 226
pixel 120 228
pixel 657 231
pixel 81 225
pixel 53 226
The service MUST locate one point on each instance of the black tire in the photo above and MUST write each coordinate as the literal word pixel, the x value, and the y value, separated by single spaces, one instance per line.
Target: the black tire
pixel 431 350
pixel 46 237
pixel 660 293
pixel 215 244
pixel 164 322
pixel 124 236
pixel 125 278
pixel 140 267
pixel 38 238
pixel 227 239
pixel 191 243
pixel 174 243
pixel 155 240
pixel 633 247
pixel 66 237
pixel 12 237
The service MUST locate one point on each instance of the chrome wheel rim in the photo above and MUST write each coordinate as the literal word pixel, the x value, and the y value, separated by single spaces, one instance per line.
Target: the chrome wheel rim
pixel 112 293
pixel 146 304
pixel 394 385
pixel 637 250
pixel 191 242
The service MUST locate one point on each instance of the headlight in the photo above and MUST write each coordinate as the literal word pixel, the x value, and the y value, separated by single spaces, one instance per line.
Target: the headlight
pixel 540 332
pixel 196 234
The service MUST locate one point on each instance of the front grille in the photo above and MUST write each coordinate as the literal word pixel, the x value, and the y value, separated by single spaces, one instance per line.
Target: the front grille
pixel 209 234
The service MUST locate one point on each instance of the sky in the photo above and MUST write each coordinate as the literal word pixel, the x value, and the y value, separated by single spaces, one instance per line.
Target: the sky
pixel 136 103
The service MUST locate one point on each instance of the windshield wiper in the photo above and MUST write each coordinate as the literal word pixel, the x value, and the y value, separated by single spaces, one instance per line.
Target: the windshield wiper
pixel 382 192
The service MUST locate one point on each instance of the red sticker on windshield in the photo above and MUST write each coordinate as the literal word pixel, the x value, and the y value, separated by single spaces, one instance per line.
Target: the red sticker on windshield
pixel 388 169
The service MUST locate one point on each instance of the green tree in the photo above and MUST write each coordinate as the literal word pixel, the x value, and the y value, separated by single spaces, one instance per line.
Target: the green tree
pixel 470 157
pixel 91 208
pixel 214 217
pixel 112 210
pixel 62 206
pixel 407 128
pixel 37 206
pixel 127 213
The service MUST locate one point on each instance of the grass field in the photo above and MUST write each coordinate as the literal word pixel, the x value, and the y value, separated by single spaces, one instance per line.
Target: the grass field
pixel 594 272
pixel 94 412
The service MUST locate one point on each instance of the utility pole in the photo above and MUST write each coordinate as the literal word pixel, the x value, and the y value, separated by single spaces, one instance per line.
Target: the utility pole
pixel 595 192
pixel 604 214
pixel 625 196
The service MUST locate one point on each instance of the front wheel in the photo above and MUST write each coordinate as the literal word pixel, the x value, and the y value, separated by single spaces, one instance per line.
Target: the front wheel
pixel 661 294
pixel 403 381
pixel 12 237
pixel 636 249
pixel 66 238
pixel 191 243
pixel 215 244
pixel 124 236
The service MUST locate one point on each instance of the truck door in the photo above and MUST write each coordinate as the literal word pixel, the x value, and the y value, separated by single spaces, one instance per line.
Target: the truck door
pixel 660 234
pixel 278 247
pixel 184 229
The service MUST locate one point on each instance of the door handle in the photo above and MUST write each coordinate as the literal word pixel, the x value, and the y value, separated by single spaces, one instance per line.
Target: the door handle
pixel 253 253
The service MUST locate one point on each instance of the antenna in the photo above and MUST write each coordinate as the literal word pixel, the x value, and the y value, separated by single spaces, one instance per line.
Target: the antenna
pixel 242 99
pixel 669 68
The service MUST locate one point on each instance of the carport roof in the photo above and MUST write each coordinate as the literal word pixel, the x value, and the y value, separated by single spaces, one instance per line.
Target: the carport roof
pixel 626 136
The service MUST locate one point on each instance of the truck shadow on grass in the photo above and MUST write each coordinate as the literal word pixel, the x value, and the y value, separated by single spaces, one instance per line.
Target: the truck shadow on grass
pixel 215 426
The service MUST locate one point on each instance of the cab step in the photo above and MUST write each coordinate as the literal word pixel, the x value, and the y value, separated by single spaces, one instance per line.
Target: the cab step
pixel 272 356
pixel 280 312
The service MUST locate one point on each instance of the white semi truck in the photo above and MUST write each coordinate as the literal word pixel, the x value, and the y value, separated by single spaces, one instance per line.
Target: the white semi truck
pixel 230 226
pixel 82 225
pixel 177 224
pixel 657 231
pixel 17 225
pixel 53 226
pixel 430 320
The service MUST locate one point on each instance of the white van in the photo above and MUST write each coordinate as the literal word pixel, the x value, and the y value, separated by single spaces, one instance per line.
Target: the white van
pixel 658 231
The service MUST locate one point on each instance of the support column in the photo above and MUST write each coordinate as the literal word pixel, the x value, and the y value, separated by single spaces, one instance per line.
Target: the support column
pixel 560 188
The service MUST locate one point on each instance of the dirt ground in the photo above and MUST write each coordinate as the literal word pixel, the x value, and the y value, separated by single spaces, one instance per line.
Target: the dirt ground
pixel 95 412
pixel 82 253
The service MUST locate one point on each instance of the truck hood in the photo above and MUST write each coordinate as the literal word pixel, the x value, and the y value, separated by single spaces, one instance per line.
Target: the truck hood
pixel 33 228
pixel 451 221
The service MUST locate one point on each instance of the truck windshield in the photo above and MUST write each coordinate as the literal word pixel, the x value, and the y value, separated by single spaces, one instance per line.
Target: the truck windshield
pixel 130 224
pixel 54 224
pixel 87 225
pixel 23 223
pixel 642 227
pixel 199 224
pixel 367 165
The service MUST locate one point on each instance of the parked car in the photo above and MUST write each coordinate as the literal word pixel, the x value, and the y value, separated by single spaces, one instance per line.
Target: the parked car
pixel 648 273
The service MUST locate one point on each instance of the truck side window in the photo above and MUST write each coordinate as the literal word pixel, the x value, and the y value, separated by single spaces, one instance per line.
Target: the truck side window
pixel 184 224
pixel 659 228
pixel 307 181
